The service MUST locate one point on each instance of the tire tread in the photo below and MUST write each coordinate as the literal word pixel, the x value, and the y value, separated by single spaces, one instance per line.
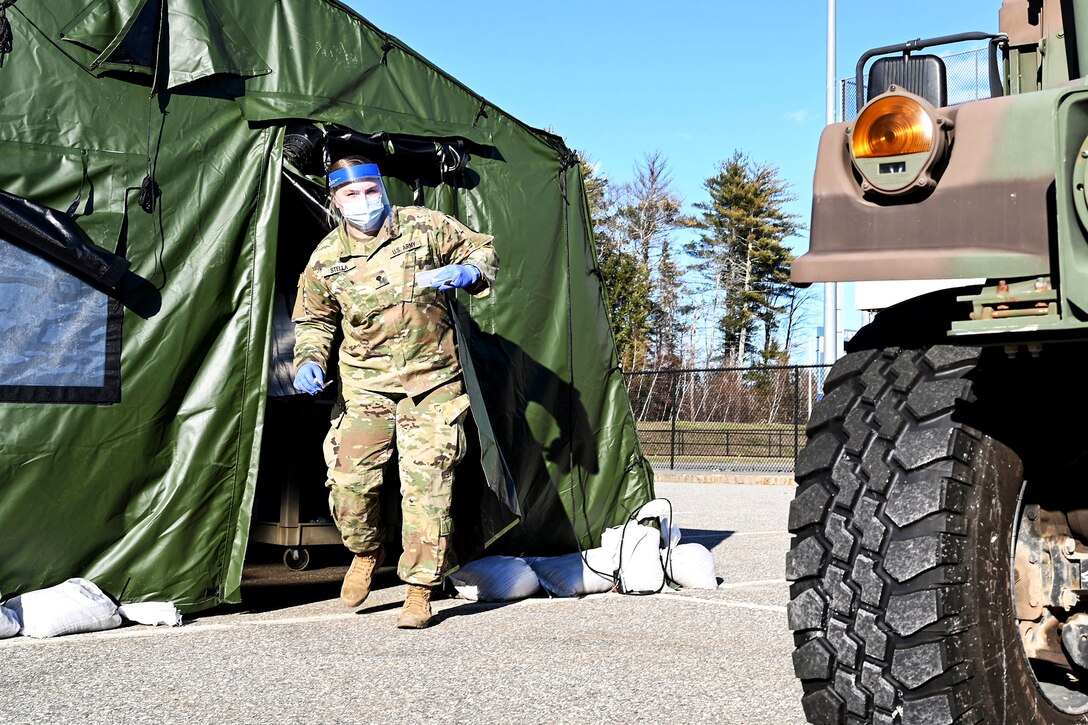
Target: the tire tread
pixel 878 518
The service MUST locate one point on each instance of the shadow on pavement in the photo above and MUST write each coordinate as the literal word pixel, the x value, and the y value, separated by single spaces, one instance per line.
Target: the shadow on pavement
pixel 268 585
pixel 467 608
pixel 707 537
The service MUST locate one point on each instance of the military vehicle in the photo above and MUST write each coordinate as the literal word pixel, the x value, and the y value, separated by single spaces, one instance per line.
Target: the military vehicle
pixel 940 523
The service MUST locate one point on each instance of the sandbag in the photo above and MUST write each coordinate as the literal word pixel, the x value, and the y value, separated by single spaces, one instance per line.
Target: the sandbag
pixel 151 613
pixel 638 551
pixel 495 579
pixel 569 576
pixel 691 566
pixel 9 623
pixel 639 559
pixel 601 560
pixel 76 605
pixel 660 509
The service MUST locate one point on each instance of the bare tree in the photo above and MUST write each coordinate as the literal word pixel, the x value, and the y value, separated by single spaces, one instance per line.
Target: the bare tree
pixel 648 215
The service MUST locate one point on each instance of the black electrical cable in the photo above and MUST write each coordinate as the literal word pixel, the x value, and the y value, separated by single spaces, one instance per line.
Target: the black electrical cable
pixel 668 552
pixel 149 189
pixel 562 179
pixel 568 163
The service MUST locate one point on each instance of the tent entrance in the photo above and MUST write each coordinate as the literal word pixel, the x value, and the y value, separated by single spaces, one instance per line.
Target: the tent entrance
pixel 291 509
pixel 291 505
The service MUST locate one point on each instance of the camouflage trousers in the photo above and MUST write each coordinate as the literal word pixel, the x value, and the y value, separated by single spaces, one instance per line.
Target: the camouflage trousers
pixel 428 432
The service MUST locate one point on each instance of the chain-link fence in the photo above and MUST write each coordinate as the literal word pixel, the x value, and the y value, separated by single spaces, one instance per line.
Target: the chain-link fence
pixel 724 419
pixel 968 80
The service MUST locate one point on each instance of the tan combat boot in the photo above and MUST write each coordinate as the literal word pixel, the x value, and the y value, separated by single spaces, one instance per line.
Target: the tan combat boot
pixel 360 574
pixel 417 608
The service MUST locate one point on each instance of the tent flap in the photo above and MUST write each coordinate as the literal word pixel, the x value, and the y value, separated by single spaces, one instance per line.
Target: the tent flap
pixel 57 236
pixel 104 25
pixel 203 39
pixel 206 40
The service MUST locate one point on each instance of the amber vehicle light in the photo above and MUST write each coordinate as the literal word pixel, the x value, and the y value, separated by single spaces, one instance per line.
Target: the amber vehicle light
pixel 892 126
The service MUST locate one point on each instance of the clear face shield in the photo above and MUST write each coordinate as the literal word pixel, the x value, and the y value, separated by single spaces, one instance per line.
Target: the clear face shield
pixel 359 194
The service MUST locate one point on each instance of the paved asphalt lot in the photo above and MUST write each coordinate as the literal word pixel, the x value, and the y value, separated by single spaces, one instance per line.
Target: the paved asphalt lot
pixel 292 653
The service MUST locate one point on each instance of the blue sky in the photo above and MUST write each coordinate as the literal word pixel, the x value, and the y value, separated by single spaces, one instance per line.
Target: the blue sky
pixel 693 79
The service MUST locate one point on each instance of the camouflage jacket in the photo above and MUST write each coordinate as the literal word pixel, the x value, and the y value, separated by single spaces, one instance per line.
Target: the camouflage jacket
pixel 397 333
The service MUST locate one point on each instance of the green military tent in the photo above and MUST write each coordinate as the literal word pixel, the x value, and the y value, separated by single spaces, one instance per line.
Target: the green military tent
pixel 161 172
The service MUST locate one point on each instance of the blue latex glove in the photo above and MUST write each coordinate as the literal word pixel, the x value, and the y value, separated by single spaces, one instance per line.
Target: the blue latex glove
pixel 310 379
pixel 462 275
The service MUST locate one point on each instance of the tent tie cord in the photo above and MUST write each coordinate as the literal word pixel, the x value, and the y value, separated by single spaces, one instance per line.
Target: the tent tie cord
pixel 73 208
pixel 481 113
pixel 567 159
pixel 7 39
pixel 387 46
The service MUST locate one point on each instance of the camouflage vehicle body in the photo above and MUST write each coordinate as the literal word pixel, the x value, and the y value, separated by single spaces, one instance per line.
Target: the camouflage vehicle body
pixel 938 565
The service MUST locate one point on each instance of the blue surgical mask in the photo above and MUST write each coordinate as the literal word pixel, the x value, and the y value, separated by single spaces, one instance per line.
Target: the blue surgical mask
pixel 365 214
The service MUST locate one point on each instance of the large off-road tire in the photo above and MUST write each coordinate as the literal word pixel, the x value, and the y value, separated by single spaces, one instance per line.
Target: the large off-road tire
pixel 904 521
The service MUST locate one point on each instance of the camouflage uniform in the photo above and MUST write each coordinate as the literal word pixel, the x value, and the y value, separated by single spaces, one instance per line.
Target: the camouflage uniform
pixel 399 373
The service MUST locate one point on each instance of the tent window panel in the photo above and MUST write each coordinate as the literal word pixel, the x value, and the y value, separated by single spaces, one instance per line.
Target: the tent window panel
pixel 59 336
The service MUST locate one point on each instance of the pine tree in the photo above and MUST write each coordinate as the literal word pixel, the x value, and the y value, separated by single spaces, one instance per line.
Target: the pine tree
pixel 742 256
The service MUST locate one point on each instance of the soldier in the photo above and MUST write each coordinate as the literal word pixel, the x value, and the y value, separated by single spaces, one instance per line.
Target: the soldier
pixel 399 372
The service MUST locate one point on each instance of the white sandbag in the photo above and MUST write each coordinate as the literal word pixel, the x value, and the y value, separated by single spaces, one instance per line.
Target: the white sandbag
pixel 495 579
pixel 639 559
pixel 569 576
pixel 660 509
pixel 151 613
pixel 692 567
pixel 76 605
pixel 601 560
pixel 637 551
pixel 9 623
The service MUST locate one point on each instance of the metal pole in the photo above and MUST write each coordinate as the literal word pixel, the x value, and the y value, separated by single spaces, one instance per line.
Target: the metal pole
pixel 831 326
pixel 672 440
pixel 808 384
pixel 796 412
pixel 840 320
